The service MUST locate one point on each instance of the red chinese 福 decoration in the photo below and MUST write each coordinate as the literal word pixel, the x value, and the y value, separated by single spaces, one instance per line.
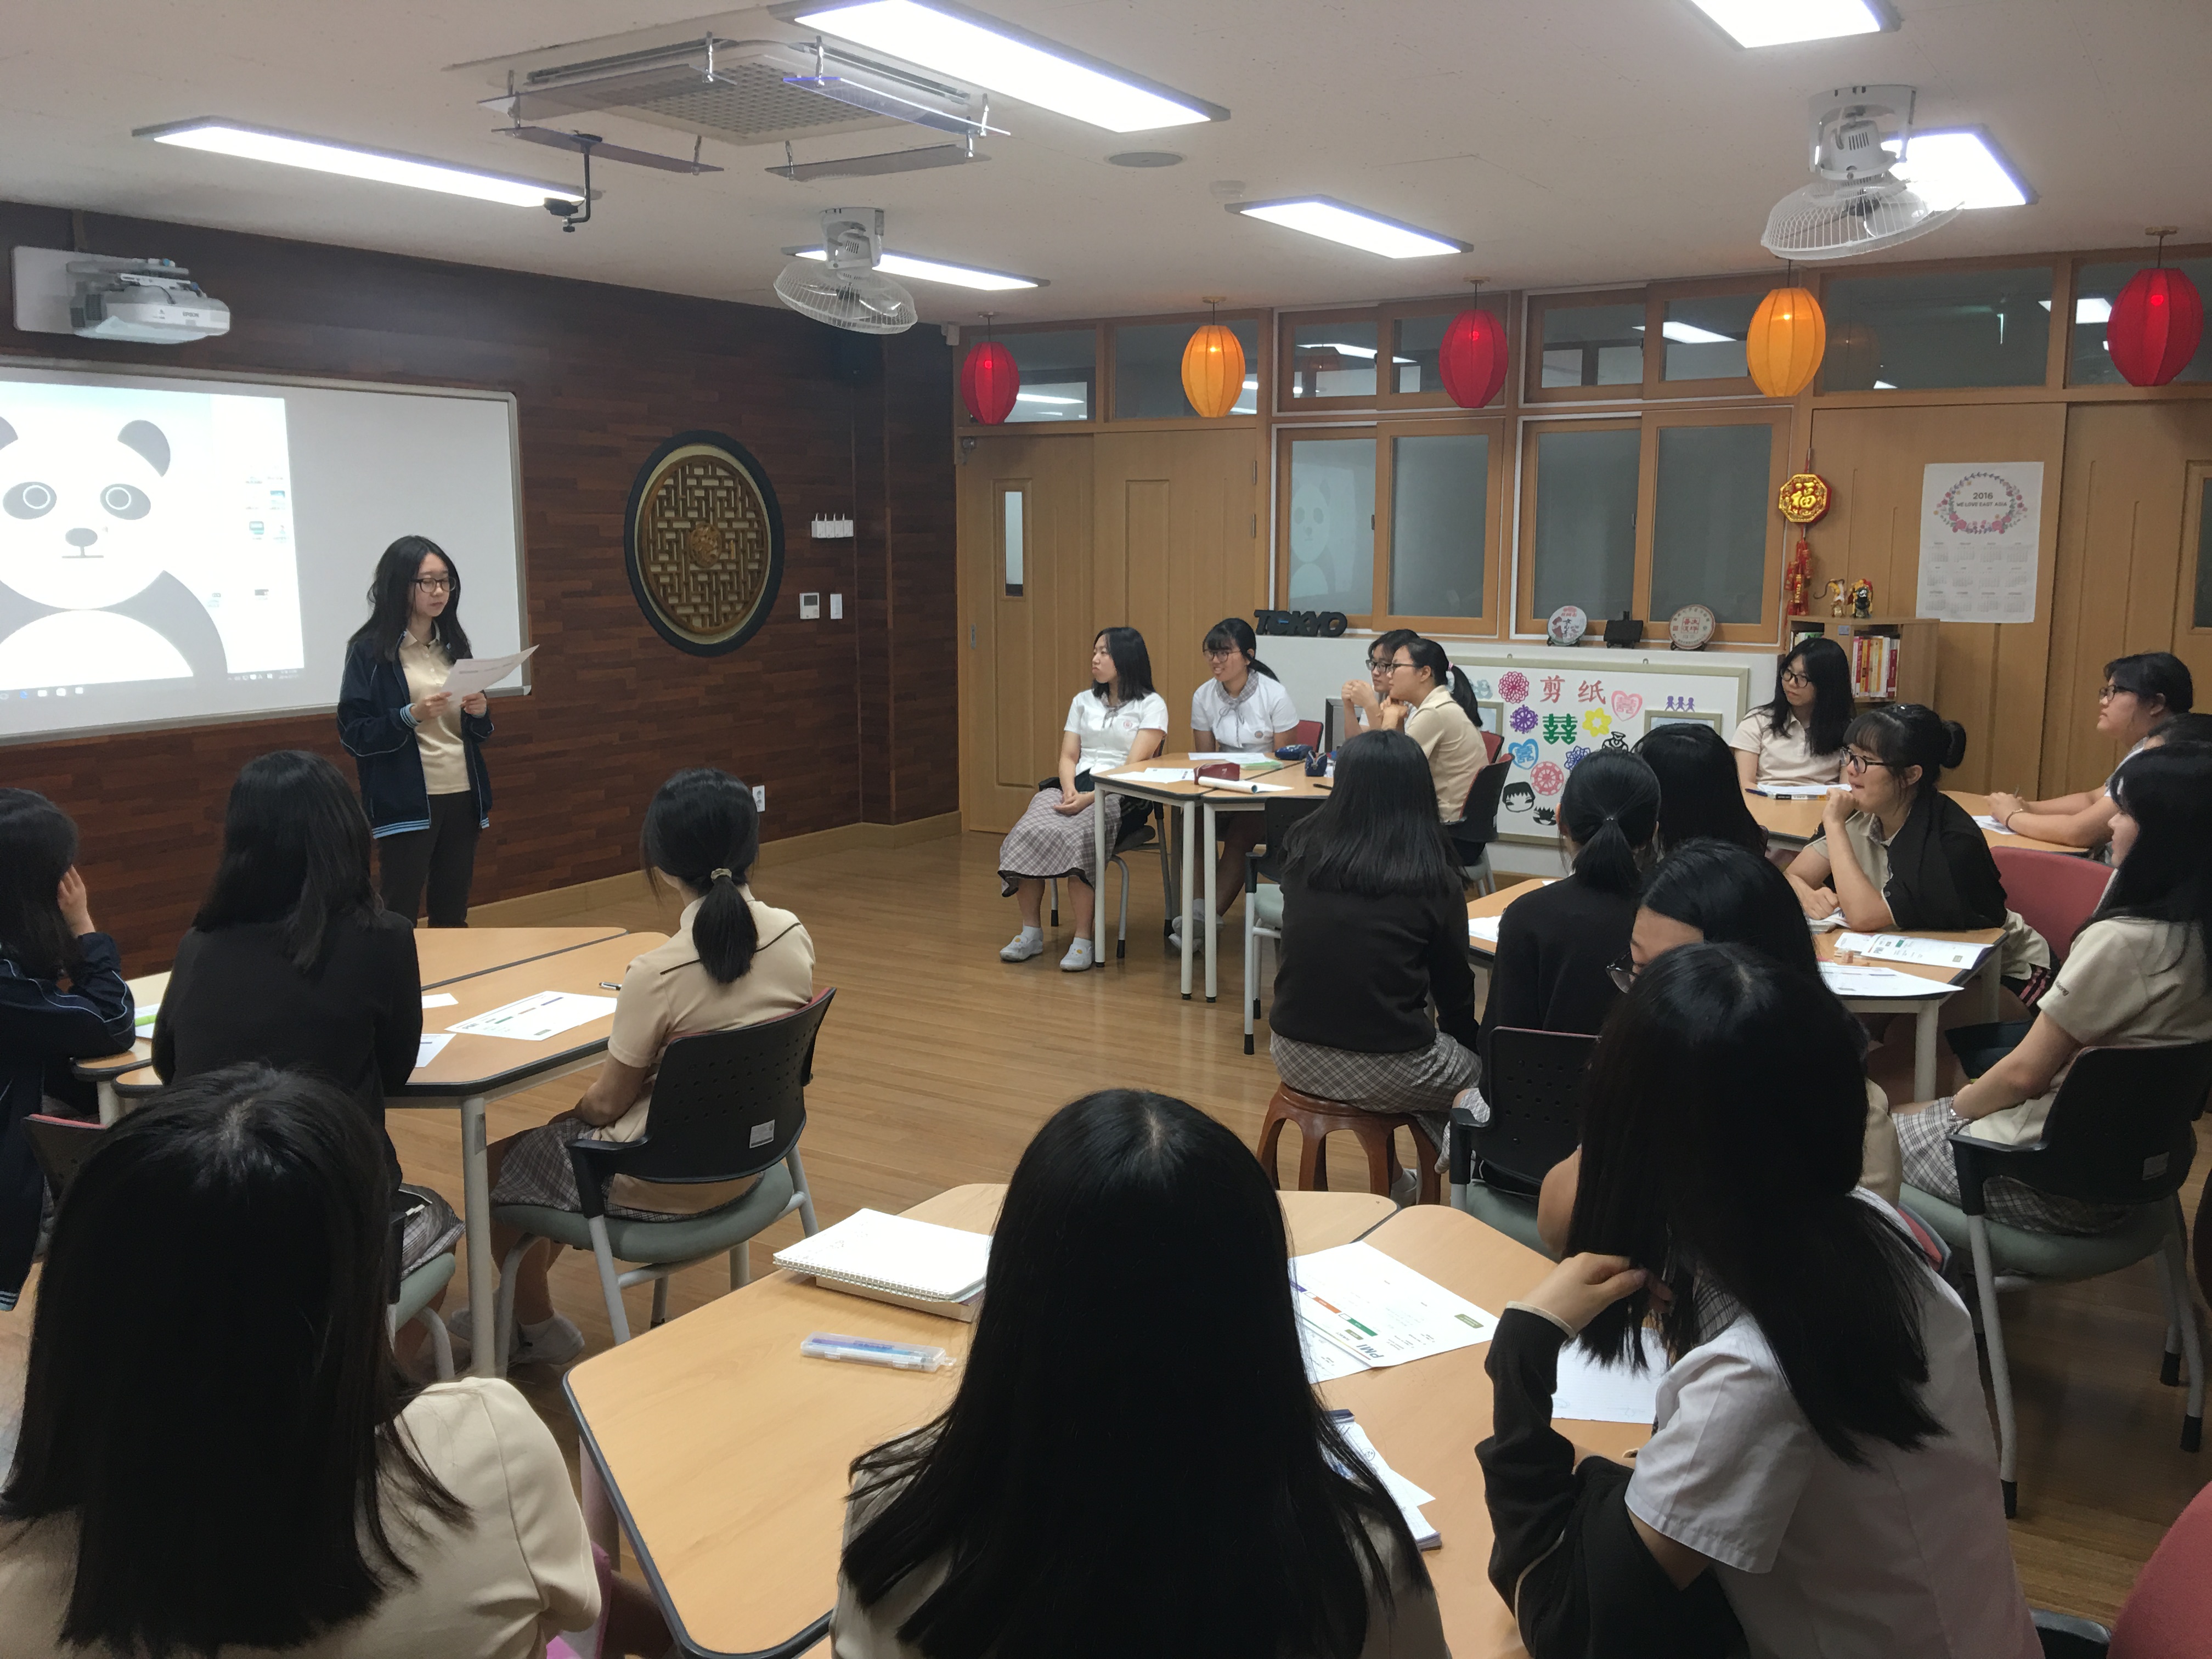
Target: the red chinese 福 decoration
pixel 989 377
pixel 1472 360
pixel 2157 320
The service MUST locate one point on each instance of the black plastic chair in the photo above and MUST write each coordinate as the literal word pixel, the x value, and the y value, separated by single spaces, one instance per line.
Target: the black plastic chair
pixel 1477 825
pixel 1532 1092
pixel 727 1106
pixel 2119 1132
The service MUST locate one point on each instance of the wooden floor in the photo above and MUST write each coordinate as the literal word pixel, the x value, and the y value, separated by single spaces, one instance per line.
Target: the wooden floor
pixel 938 1062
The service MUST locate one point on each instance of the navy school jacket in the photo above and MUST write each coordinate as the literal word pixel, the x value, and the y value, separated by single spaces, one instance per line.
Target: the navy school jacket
pixel 372 724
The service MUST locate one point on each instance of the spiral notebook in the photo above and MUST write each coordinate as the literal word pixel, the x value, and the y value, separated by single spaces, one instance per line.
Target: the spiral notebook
pixel 895 1259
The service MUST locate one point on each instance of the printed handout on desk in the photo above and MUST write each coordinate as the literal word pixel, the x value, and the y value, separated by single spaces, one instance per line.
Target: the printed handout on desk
pixel 1154 775
pixel 1956 954
pixel 474 674
pixel 1408 1497
pixel 533 1020
pixel 439 999
pixel 428 1045
pixel 1380 1312
pixel 1995 826
pixel 1886 984
pixel 1591 1393
pixel 1483 930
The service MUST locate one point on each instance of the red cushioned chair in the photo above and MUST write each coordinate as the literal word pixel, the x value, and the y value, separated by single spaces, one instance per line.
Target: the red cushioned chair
pixel 1307 732
pixel 2167 1614
pixel 2054 892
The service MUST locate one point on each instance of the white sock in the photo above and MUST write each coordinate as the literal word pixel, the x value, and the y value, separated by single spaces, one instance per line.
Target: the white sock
pixel 1031 935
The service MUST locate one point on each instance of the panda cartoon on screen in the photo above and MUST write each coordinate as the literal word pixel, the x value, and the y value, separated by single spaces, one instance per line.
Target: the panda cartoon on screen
pixel 86 593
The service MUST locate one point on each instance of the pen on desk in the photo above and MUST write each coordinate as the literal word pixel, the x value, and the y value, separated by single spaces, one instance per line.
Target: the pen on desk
pixel 608 985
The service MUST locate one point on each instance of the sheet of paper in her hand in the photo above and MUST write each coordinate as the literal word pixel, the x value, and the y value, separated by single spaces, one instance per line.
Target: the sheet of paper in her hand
pixel 473 674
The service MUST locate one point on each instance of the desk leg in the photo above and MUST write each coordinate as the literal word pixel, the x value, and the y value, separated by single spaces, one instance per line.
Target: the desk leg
pixel 1212 920
pixel 1098 866
pixel 600 1524
pixel 111 1103
pixel 475 1197
pixel 1923 1050
pixel 1190 852
pixel 1992 982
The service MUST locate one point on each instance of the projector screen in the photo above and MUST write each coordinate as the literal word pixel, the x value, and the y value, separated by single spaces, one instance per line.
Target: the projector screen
pixel 176 550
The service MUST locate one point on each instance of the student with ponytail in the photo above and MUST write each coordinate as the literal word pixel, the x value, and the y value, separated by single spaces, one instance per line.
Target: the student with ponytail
pixel 1555 945
pixel 733 961
pixel 1240 707
pixel 1896 852
pixel 1433 703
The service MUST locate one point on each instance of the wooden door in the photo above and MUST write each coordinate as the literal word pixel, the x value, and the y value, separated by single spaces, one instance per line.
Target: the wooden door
pixel 2129 543
pixel 1025 614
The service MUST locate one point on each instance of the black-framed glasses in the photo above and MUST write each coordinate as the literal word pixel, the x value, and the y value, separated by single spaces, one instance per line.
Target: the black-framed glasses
pixel 1222 655
pixel 1392 667
pixel 1791 677
pixel 1855 762
pixel 2106 693
pixel 434 584
pixel 1622 974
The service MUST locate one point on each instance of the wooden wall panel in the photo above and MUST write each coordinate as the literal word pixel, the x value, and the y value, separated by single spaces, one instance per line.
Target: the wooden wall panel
pixel 601 375
pixel 1990 677
pixel 2125 581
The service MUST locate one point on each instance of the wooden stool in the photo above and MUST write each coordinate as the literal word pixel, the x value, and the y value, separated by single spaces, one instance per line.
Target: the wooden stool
pixel 1375 1131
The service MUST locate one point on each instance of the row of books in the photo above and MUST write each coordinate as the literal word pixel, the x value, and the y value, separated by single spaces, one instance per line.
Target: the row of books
pixel 1874 665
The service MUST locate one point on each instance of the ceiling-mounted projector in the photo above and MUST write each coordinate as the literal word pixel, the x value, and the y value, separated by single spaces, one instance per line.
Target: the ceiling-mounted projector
pixel 101 297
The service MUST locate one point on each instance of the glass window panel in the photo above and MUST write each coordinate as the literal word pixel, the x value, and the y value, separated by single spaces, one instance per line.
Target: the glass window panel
pixel 1705 336
pixel 1708 524
pixel 1060 374
pixel 1585 539
pixel 1439 502
pixel 1951 328
pixel 2204 554
pixel 1011 503
pixel 1416 347
pixel 1333 525
pixel 1593 345
pixel 2095 290
pixel 1148 369
pixel 1333 359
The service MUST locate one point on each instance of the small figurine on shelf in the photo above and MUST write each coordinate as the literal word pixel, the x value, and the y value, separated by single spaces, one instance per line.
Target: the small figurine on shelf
pixel 1862 597
pixel 1835 592
pixel 1797 580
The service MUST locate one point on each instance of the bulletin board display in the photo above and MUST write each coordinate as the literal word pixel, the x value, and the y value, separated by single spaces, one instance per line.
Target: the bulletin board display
pixel 1553 710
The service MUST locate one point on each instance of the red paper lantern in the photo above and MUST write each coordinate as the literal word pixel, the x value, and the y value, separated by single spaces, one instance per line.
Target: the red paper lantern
pixel 989 377
pixel 1473 358
pixel 2156 322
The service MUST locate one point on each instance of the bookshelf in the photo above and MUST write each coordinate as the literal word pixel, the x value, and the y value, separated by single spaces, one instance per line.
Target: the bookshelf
pixel 1893 658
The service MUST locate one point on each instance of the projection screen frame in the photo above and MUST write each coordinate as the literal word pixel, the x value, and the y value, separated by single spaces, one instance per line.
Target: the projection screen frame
pixel 324 383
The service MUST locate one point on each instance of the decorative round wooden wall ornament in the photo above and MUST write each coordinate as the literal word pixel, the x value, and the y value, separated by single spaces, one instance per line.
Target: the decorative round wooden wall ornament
pixel 704 543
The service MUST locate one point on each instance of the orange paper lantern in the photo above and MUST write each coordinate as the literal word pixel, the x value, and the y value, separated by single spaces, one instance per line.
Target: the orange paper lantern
pixel 1472 360
pixel 989 378
pixel 1213 370
pixel 1787 339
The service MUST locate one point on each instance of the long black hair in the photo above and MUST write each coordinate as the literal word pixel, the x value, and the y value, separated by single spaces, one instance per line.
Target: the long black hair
pixel 1132 666
pixel 1700 793
pixel 701 828
pixel 1822 661
pixel 2159 674
pixel 1377 833
pixel 1427 653
pixel 2182 728
pixel 37 845
pixel 237 1225
pixel 1235 634
pixel 1611 809
pixel 2167 791
pixel 1732 898
pixel 295 850
pixel 1082 1509
pixel 1721 1141
pixel 1905 734
pixel 389 597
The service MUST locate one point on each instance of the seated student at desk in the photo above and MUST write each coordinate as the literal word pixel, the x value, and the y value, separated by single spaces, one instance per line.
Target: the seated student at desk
pixel 1709 891
pixel 1799 737
pixel 292 962
pixel 1556 944
pixel 1896 852
pixel 1374 933
pixel 1062 1506
pixel 62 997
pixel 275 1485
pixel 733 961
pixel 2139 692
pixel 1242 709
pixel 1821 1453
pixel 2135 978
pixel 1362 701
pixel 1118 721
pixel 1698 795
pixel 1433 702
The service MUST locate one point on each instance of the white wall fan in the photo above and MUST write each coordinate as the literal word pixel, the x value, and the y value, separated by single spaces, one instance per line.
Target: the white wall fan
pixel 842 286
pixel 1857 204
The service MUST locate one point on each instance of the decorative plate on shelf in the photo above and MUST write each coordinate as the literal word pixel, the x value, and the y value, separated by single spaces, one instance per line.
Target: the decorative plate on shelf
pixel 1691 626
pixel 1568 625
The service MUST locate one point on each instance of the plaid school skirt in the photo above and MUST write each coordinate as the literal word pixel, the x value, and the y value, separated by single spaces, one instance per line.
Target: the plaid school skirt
pixel 1923 1139
pixel 1046 843
pixel 1421 1081
pixel 431 1230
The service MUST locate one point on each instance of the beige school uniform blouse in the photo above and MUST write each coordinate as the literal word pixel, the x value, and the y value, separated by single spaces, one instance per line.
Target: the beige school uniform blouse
pixel 1453 746
pixel 2128 983
pixel 1785 752
pixel 444 763
pixel 2020 950
pixel 496 1589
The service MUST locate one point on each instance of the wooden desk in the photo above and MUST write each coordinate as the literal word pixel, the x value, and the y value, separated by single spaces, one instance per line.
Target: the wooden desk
pixel 1926 1012
pixel 1195 799
pixel 725 1452
pixel 1791 824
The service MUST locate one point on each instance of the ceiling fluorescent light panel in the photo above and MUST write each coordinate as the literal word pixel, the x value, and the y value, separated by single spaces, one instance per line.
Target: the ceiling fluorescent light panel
pixel 1962 167
pixel 292 149
pixel 971 46
pixel 1782 23
pixel 1340 221
pixel 936 271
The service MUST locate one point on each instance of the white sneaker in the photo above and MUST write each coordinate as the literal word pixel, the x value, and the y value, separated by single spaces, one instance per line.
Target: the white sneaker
pixel 1078 959
pixel 1022 947
pixel 555 1344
